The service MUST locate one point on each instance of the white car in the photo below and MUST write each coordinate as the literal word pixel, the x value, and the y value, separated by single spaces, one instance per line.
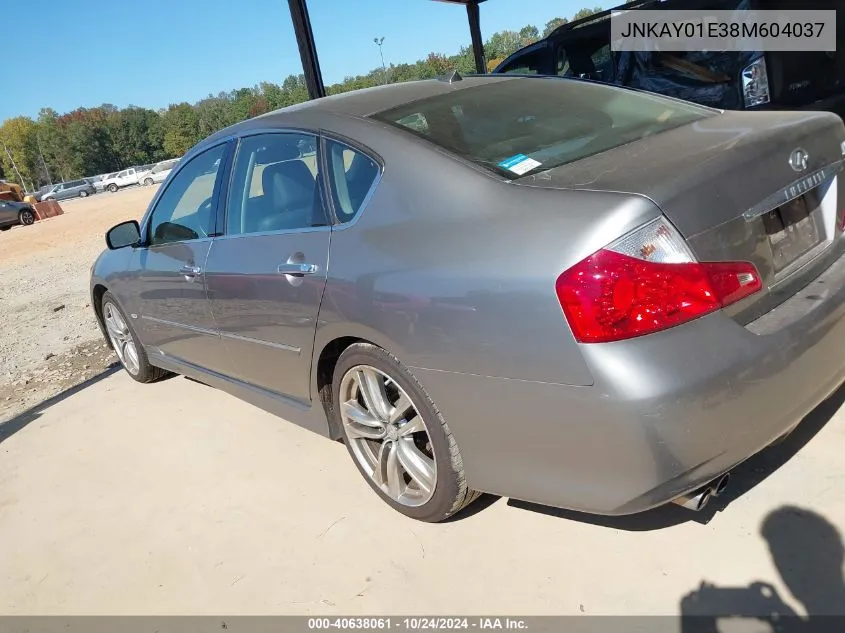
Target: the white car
pixel 159 172
pixel 121 179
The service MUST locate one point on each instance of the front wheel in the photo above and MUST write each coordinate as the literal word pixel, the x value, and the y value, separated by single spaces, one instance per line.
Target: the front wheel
pixel 148 182
pixel 26 217
pixel 125 343
pixel 396 436
pixel 113 188
pixel 83 194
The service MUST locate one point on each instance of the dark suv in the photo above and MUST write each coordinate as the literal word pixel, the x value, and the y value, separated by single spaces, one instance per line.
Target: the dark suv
pixel 75 188
pixel 725 80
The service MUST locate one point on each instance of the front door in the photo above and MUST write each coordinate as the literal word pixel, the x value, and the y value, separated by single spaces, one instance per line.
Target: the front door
pixel 170 283
pixel 267 273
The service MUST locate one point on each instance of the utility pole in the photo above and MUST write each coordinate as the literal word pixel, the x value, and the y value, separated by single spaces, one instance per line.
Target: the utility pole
pixel 379 41
pixel 15 167
pixel 43 162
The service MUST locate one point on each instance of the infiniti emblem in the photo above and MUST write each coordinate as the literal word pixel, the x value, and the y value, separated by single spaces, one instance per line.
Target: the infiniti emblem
pixel 799 160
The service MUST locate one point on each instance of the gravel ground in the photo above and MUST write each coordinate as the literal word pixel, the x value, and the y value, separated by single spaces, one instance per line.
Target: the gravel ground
pixel 50 339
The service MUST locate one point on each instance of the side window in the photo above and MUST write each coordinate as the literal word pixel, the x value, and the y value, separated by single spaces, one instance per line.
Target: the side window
pixel 274 186
pixel 562 68
pixel 122 174
pixel 185 210
pixel 352 175
pixel 529 63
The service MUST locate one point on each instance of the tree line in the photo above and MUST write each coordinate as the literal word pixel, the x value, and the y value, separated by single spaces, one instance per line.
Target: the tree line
pixel 88 141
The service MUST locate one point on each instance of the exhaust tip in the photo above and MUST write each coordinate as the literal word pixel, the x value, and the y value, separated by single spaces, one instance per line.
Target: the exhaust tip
pixel 722 484
pixel 703 500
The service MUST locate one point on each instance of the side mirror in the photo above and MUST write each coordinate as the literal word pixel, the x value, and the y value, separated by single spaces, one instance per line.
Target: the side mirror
pixel 124 234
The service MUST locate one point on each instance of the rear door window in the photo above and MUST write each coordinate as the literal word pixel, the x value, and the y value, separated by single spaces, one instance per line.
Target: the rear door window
pixel 352 175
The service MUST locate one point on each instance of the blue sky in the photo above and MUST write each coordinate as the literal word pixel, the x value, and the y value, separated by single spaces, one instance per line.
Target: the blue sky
pixel 155 52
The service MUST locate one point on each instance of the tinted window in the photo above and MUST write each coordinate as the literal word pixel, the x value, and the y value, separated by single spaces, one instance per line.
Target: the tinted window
pixel 352 174
pixel 185 210
pixel 518 126
pixel 274 188
pixel 529 63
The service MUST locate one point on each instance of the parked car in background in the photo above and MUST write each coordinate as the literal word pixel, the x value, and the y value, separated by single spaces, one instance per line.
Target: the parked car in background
pixel 100 182
pixel 121 179
pixel 159 171
pixel 12 213
pixel 73 189
pixel 548 289
pixel 743 80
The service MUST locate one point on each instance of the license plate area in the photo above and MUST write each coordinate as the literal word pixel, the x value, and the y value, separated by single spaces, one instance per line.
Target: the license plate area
pixel 795 231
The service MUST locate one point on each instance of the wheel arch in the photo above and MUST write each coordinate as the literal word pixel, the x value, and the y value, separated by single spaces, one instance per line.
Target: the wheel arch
pixel 97 292
pixel 331 341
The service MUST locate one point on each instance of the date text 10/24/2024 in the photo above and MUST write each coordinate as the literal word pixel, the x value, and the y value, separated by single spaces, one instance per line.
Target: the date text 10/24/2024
pixel 420 623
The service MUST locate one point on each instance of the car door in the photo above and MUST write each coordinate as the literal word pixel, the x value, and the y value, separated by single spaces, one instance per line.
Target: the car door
pixel 8 214
pixel 267 272
pixel 169 281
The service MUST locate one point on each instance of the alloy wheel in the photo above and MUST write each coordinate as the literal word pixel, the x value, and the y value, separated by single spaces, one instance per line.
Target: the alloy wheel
pixel 121 338
pixel 27 217
pixel 388 436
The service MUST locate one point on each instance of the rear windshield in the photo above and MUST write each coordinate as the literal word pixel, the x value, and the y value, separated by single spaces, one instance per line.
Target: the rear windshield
pixel 523 126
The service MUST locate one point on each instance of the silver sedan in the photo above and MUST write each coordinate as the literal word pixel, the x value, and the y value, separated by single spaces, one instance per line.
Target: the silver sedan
pixel 560 291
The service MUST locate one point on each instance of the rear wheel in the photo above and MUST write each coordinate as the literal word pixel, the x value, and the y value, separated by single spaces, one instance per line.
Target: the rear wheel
pixel 112 187
pixel 26 217
pixel 83 194
pixel 148 182
pixel 125 343
pixel 396 436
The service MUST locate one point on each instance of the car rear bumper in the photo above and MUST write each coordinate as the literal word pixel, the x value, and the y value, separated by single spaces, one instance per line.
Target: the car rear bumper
pixel 667 413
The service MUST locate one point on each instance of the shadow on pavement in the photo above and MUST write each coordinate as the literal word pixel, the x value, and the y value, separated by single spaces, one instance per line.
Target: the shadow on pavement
pixel 15 424
pixel 743 478
pixel 808 553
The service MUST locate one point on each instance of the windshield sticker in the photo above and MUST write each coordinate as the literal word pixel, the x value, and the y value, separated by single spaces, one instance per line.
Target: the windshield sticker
pixel 519 164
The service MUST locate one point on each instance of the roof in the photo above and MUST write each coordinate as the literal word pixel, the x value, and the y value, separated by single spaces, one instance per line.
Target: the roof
pixel 368 101
pixel 360 103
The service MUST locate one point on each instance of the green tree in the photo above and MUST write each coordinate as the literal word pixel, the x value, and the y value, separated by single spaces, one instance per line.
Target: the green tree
pixel 528 35
pixel 181 129
pixel 552 24
pixel 585 13
pixel 18 136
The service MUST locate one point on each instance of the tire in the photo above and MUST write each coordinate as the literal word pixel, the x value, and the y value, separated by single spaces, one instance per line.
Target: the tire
pixel 83 194
pixel 121 336
pixel 432 440
pixel 112 187
pixel 26 217
pixel 148 182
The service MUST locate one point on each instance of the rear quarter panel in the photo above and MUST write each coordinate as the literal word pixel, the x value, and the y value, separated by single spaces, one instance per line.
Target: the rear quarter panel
pixel 452 269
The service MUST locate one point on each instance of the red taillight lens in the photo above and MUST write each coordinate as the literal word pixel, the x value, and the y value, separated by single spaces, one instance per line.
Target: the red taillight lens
pixel 610 296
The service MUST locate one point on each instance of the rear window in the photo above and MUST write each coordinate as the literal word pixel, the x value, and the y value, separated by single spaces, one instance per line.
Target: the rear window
pixel 523 126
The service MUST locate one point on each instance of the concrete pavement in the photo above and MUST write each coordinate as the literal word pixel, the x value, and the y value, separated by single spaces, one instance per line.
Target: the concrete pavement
pixel 175 498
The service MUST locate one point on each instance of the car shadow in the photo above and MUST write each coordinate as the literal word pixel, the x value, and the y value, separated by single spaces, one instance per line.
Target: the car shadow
pixel 20 421
pixel 808 553
pixel 743 478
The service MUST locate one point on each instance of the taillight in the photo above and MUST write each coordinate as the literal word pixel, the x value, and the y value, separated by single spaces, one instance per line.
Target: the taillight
pixel 645 282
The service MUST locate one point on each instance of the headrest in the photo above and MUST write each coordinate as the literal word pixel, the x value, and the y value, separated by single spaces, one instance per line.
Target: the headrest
pixel 276 152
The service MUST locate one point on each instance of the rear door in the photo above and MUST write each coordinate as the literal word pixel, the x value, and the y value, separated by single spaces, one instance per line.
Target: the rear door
pixel 169 279
pixel 267 273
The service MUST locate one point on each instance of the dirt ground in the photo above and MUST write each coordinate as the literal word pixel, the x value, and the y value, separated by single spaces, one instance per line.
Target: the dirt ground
pixel 50 339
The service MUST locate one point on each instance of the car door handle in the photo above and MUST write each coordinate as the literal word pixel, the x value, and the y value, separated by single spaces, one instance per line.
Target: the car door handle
pixel 190 272
pixel 297 269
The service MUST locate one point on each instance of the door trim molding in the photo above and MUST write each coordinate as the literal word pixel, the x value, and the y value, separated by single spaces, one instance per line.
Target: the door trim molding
pixel 235 337
pixel 185 326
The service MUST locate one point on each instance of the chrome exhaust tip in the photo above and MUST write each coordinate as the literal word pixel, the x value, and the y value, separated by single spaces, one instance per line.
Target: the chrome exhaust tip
pixel 696 500
pixel 721 484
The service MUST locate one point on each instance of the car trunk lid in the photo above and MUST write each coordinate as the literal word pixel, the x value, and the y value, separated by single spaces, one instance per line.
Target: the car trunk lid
pixel 739 186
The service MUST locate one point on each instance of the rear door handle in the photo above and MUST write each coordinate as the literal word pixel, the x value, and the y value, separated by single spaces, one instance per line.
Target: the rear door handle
pixel 190 272
pixel 297 269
